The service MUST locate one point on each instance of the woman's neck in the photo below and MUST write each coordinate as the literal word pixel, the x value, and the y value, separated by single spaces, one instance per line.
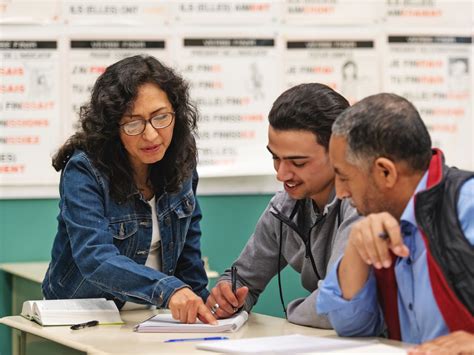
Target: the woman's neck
pixel 143 183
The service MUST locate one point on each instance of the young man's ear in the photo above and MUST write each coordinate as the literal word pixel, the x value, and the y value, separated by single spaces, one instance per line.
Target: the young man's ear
pixel 385 172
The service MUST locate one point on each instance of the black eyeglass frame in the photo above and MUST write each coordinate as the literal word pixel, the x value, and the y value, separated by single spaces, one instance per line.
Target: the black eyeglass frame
pixel 150 121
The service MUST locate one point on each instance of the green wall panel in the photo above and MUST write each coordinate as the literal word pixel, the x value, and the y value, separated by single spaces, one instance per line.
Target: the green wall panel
pixel 27 229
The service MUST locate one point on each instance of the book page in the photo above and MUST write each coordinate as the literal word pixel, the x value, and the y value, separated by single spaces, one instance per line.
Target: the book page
pixel 75 305
pixel 27 309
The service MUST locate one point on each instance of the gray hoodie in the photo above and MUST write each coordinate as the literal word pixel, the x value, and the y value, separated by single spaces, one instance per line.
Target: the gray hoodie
pixel 292 221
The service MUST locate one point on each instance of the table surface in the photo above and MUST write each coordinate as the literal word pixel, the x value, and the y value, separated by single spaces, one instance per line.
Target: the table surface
pixel 33 271
pixel 121 339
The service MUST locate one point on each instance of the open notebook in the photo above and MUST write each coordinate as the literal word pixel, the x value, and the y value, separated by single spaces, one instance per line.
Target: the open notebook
pixel 164 323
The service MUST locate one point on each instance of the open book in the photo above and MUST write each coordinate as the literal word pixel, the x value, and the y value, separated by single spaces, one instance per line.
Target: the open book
pixel 164 323
pixel 71 311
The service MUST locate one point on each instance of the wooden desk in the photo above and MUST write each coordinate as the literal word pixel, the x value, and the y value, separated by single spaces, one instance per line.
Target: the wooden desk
pixel 26 281
pixel 26 285
pixel 121 339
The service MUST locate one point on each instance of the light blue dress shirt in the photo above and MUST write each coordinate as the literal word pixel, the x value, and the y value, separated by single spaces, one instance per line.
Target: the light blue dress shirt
pixel 420 317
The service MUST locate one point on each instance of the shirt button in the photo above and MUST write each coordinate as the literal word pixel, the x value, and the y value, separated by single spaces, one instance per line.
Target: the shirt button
pixel 167 221
pixel 408 261
pixel 410 306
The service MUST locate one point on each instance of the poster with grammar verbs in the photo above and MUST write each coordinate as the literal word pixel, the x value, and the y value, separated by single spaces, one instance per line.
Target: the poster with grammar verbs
pixel 428 12
pixel 233 82
pixel 332 12
pixel 89 58
pixel 225 12
pixel 434 73
pixel 110 12
pixel 29 111
pixel 348 65
pixel 37 12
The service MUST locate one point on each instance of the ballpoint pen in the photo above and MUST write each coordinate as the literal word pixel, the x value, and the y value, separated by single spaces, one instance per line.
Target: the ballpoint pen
pixel 233 276
pixel 91 323
pixel 194 339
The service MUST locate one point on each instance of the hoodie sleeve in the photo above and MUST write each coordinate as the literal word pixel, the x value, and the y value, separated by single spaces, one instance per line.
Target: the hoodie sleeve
pixel 257 264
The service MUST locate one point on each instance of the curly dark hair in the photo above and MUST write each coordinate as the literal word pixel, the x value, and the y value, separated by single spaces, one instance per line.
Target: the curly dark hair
pixel 112 96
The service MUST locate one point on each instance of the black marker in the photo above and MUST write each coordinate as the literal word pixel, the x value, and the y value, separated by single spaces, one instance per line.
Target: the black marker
pixel 91 323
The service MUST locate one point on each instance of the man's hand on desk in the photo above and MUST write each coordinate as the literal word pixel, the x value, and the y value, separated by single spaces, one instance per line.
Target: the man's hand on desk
pixel 228 302
pixel 186 306
pixel 459 342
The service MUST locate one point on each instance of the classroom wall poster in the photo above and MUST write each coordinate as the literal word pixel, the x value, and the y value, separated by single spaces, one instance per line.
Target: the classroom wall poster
pixel 349 66
pixel 21 12
pixel 29 111
pixel 234 82
pixel 332 12
pixel 434 72
pixel 225 12
pixel 110 12
pixel 89 58
pixel 428 12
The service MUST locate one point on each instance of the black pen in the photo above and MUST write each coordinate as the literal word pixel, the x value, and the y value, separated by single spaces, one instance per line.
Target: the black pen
pixel 91 323
pixel 233 277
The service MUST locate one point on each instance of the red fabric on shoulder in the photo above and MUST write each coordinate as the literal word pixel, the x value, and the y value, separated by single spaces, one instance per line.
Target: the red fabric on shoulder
pixel 455 314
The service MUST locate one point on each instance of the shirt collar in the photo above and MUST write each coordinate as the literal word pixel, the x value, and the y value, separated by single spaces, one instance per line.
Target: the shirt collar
pixel 408 214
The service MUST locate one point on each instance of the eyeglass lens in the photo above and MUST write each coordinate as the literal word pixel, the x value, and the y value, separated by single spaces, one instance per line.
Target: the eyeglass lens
pixel 138 126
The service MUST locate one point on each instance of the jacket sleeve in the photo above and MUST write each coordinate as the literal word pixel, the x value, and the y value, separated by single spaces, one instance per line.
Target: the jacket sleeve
pixel 190 267
pixel 94 253
pixel 303 310
pixel 257 264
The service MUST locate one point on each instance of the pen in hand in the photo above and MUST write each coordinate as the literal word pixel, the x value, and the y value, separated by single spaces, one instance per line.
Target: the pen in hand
pixel 233 276
pixel 91 323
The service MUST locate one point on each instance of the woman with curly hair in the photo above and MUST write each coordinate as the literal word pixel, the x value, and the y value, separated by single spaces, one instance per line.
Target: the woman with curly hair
pixel 128 227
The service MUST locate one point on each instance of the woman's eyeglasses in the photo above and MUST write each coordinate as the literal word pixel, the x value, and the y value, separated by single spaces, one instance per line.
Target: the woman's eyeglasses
pixel 137 127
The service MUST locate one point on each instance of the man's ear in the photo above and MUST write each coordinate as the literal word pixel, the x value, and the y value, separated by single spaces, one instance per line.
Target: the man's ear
pixel 385 172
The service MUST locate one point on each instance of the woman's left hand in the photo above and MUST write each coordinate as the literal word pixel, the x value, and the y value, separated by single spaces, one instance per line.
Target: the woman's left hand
pixel 186 306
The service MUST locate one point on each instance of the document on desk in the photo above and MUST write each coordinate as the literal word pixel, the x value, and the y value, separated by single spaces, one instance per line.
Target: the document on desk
pixel 285 344
pixel 165 323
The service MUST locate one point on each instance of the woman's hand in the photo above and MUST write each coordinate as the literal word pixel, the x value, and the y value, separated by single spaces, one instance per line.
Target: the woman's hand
pixel 186 306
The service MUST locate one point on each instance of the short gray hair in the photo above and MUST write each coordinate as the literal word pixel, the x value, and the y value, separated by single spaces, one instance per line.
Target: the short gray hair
pixel 385 125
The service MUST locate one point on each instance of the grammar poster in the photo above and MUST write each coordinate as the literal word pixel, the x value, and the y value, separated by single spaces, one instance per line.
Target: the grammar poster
pixel 349 66
pixel 29 111
pixel 89 58
pixel 233 81
pixel 434 72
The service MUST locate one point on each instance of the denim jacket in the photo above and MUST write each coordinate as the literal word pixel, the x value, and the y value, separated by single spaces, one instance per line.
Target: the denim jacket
pixel 101 246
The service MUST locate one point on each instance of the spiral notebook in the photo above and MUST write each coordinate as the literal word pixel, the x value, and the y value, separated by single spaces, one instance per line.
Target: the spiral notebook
pixel 164 323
